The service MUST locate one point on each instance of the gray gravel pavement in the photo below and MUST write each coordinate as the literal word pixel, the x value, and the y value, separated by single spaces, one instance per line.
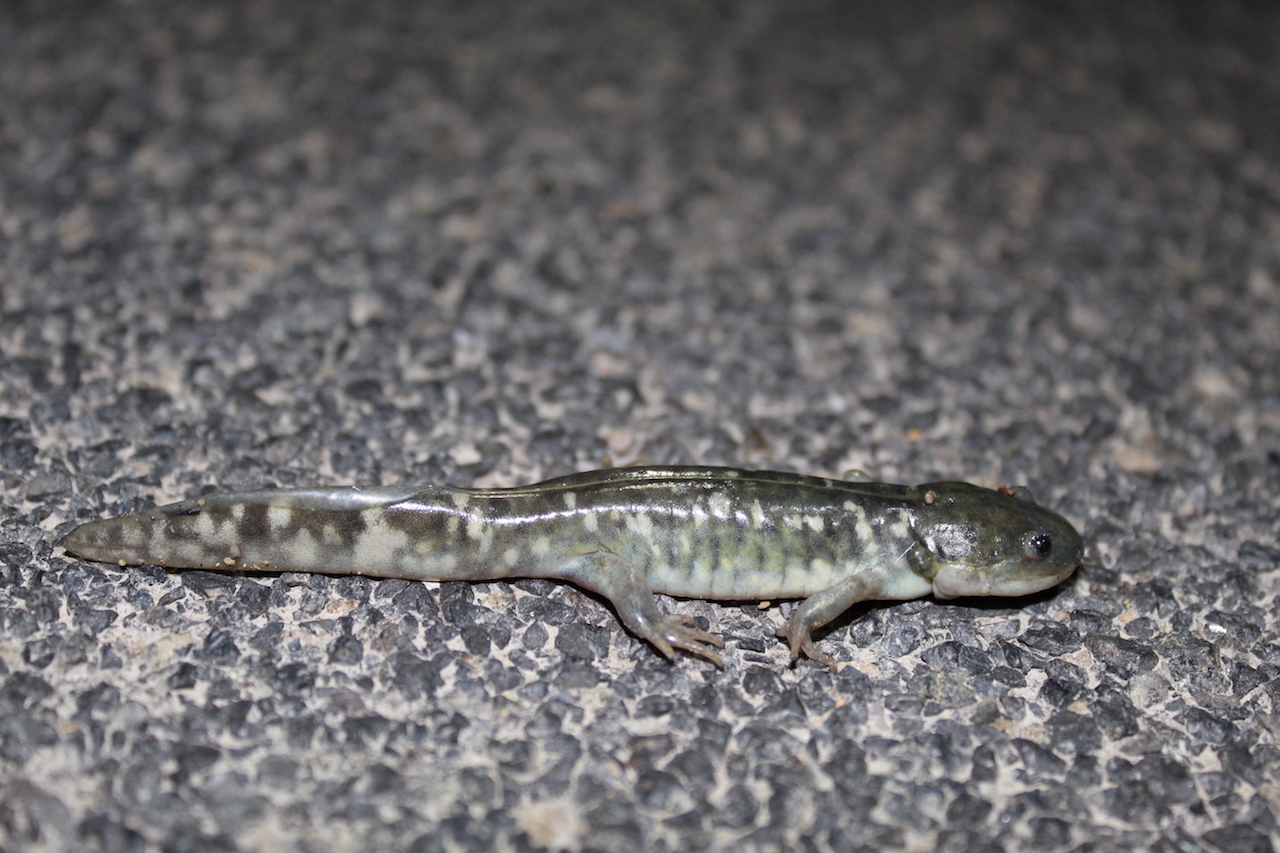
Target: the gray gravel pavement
pixel 268 243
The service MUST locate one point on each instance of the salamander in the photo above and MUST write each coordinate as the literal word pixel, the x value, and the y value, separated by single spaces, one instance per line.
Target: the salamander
pixel 625 533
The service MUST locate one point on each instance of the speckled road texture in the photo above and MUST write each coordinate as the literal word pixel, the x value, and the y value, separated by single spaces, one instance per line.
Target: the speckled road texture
pixel 251 244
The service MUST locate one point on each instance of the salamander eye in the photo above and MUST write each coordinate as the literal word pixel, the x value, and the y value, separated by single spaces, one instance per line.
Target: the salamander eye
pixel 1039 546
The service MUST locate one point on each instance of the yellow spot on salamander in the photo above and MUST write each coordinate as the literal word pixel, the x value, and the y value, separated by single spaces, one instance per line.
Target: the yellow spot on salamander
pixel 278 517
pixel 640 524
pixel 822 570
pixel 571 500
pixel 510 556
pixel 813 522
pixel 687 545
pixel 443 562
pixel 862 530
pixel 542 546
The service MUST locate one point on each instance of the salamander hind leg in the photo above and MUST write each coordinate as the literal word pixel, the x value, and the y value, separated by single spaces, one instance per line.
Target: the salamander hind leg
pixel 819 609
pixel 628 591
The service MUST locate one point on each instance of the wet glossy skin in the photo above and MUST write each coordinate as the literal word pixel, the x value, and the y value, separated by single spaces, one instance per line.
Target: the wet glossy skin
pixel 625 533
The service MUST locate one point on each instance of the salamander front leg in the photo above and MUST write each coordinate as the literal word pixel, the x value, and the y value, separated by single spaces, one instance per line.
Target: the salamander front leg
pixel 628 591
pixel 820 608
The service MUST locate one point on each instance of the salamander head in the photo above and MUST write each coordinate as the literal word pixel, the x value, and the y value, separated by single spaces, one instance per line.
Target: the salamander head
pixel 983 542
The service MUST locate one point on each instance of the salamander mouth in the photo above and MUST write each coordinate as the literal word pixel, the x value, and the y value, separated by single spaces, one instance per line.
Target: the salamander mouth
pixel 1007 579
